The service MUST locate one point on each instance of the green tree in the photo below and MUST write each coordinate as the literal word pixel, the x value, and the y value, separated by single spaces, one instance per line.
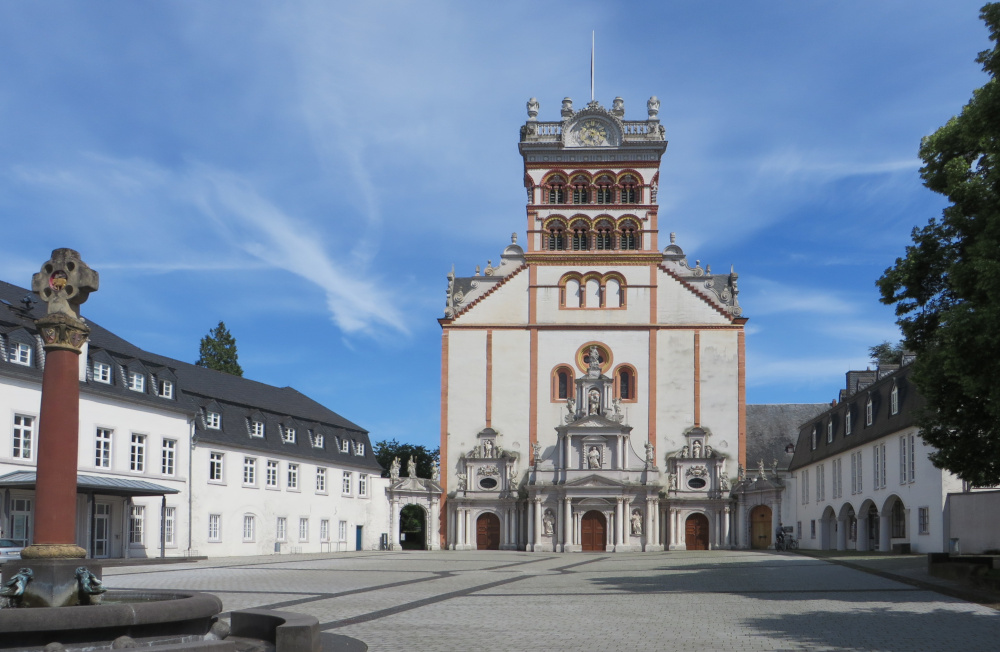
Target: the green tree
pixel 387 450
pixel 947 288
pixel 886 353
pixel 218 351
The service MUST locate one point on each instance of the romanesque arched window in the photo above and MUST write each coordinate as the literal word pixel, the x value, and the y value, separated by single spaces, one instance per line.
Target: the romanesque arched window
pixel 570 292
pixel 581 190
pixel 629 190
pixel 629 238
pixel 581 236
pixel 557 236
pixel 557 190
pixel 614 297
pixel 562 383
pixel 603 239
pixel 625 383
pixel 605 190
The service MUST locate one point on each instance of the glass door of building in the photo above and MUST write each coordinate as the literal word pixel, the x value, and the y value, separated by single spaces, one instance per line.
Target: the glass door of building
pixel 102 530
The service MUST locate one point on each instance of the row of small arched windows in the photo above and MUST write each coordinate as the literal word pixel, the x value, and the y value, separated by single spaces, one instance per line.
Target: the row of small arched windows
pixel 563 385
pixel 603 236
pixel 591 292
pixel 604 190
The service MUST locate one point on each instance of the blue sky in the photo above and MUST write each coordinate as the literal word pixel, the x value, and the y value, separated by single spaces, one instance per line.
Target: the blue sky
pixel 309 171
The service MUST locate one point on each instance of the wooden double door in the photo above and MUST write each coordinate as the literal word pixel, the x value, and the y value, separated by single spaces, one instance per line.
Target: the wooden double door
pixel 696 532
pixel 760 527
pixel 488 532
pixel 593 532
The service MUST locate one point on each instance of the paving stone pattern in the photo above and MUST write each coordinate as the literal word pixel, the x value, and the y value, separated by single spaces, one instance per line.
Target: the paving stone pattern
pixel 508 601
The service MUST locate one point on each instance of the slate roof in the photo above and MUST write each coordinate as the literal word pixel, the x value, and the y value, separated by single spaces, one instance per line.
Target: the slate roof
pixel 84 483
pixel 772 427
pixel 883 423
pixel 196 388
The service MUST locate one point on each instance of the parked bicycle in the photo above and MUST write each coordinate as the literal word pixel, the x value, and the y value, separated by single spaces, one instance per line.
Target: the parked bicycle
pixel 787 543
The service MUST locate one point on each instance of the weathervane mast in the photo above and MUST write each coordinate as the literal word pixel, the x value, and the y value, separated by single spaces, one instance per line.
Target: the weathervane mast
pixel 592 65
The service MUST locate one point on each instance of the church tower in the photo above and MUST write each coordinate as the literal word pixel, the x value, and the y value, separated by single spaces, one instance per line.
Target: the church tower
pixel 593 385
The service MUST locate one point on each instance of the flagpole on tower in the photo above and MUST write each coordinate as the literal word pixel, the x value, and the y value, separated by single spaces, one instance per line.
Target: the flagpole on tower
pixel 592 65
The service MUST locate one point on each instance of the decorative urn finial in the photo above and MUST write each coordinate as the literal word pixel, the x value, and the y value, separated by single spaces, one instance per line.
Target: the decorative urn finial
pixel 567 108
pixel 533 109
pixel 653 108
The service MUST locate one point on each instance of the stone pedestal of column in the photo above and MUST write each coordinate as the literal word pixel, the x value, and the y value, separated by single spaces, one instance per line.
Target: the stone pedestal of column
pixel 54 582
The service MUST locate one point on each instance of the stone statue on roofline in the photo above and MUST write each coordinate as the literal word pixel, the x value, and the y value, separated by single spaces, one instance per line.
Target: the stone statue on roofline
pixel 411 467
pixel 436 471
pixel 394 469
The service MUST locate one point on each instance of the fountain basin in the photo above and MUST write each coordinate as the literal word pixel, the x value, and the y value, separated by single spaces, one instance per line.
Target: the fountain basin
pixel 149 617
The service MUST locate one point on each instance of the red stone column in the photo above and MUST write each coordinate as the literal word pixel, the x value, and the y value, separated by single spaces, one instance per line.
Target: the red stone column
pixel 58 440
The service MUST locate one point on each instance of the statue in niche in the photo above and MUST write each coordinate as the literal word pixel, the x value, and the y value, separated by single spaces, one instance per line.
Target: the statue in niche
pixel 696 448
pixel 650 460
pixel 636 521
pixel 594 402
pixel 594 362
pixel 488 448
pixel 760 469
pixel 462 481
pixel 571 408
pixel 394 469
pixel 672 481
pixel 684 452
pixel 411 467
pixel 708 451
pixel 616 405
pixel 594 458
pixel 724 481
pixel 548 523
pixel 536 448
pixel 511 479
pixel 435 471
pixel 740 472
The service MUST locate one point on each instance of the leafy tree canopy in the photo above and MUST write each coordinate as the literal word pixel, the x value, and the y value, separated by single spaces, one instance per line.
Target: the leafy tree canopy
pixel 218 351
pixel 886 353
pixel 946 288
pixel 386 450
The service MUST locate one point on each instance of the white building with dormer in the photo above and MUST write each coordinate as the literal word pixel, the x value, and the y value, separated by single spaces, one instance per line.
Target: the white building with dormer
pixel 593 384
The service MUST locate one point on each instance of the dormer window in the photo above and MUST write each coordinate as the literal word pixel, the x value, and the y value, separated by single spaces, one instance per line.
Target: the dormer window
pixel 256 428
pixel 581 190
pixel 213 420
pixel 345 446
pixel 869 412
pixel 359 449
pixel 317 439
pixel 829 431
pixel 136 381
pixel 20 353
pixel 165 389
pixel 847 421
pixel 288 435
pixel 102 372
pixel 815 436
pixel 629 194
pixel 894 400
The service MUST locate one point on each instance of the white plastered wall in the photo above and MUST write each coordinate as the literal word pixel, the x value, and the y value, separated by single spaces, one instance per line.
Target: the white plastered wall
pixel 466 394
pixel 511 385
pixel 508 304
pixel 720 391
pixel 675 401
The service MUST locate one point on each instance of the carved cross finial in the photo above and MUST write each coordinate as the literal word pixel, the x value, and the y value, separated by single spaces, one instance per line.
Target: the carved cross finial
pixel 64 283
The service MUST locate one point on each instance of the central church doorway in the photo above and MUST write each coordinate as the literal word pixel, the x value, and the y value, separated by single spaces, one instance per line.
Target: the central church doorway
pixel 412 527
pixel 696 532
pixel 760 527
pixel 487 532
pixel 592 532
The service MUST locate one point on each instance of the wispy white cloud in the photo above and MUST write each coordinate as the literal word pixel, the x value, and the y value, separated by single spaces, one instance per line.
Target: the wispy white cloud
pixel 826 167
pixel 767 297
pixel 765 370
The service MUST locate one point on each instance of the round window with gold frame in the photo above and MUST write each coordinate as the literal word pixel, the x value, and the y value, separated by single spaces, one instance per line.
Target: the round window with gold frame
pixel 604 356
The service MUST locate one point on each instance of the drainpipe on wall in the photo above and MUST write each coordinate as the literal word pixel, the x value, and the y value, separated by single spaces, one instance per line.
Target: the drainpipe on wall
pixel 190 481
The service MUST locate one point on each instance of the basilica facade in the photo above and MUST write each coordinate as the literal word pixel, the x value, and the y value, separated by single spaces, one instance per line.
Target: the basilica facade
pixel 593 383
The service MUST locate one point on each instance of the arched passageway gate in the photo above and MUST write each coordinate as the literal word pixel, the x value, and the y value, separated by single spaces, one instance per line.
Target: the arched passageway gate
pixel 413 527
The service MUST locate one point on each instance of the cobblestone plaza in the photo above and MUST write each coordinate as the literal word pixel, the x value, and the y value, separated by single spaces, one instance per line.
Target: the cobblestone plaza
pixel 460 601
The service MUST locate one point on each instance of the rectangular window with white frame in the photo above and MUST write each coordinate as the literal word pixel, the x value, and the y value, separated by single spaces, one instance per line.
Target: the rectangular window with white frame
pixel 883 476
pixel 288 435
pixel 213 420
pixel 321 480
pixel 876 467
pixel 215 527
pixel 812 529
pixel 281 530
pixel 894 400
pixel 249 528
pixel 170 526
pixel 272 474
pixel 136 525
pixel 165 389
pixel 216 467
pixel 20 353
pixel 913 458
pixel 847 422
pixel 820 483
pixel 250 471
pixel 102 448
pixel 324 530
pixel 168 456
pixel 805 486
pixel 24 437
pixel 136 381
pixel 904 463
pixel 345 485
pixel 360 450
pixel 257 429
pixel 924 520
pixel 101 372
pixel 316 438
pixel 137 454
pixel 345 446
pixel 342 531
pixel 363 485
pixel 293 476
pixel 829 431
pixel 303 529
